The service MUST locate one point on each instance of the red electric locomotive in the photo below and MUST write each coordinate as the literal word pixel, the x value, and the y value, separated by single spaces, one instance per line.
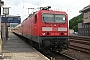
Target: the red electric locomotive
pixel 48 29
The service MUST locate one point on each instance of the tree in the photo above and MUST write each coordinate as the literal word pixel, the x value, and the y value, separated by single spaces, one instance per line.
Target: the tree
pixel 73 23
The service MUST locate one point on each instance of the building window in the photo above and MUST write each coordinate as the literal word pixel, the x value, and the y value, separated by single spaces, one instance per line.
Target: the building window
pixel 87 31
pixel 83 32
pixel 89 26
pixel 87 12
pixel 84 26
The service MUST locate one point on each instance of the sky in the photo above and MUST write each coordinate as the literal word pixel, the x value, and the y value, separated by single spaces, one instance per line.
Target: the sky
pixel 20 7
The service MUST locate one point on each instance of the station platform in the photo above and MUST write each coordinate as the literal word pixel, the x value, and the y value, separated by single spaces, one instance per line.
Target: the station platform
pixel 16 49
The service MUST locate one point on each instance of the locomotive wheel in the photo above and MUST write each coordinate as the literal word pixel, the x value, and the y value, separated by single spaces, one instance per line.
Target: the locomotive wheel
pixel 67 43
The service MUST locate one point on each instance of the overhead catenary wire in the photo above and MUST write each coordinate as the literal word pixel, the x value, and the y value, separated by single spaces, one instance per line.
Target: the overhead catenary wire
pixel 61 7
pixel 71 3
pixel 34 5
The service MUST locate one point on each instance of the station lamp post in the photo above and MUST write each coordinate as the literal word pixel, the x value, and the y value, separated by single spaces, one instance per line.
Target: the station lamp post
pixel 1 55
pixel 5 12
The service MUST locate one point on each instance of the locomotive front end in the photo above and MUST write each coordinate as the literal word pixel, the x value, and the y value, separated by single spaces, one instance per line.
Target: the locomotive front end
pixel 54 31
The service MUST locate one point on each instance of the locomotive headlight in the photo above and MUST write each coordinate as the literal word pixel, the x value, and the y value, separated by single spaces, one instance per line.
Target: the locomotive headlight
pixel 65 33
pixel 43 33
pixel 55 25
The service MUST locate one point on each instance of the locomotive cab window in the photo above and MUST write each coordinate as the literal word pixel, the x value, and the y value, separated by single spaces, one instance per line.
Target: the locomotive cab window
pixel 57 18
pixel 48 18
pixel 35 20
pixel 60 18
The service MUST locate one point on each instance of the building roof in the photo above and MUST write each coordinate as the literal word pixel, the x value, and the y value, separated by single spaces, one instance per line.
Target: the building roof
pixel 9 16
pixel 85 9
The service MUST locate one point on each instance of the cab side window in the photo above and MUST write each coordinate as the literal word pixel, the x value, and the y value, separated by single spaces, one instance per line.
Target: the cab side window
pixel 35 20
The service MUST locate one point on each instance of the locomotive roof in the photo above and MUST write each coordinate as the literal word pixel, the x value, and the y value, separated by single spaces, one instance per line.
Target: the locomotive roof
pixel 52 12
pixel 45 11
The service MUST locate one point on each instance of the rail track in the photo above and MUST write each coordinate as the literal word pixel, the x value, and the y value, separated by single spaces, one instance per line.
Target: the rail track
pixel 80 43
pixel 59 56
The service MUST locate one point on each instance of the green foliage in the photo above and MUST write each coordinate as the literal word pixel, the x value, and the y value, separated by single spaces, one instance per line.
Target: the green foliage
pixel 73 23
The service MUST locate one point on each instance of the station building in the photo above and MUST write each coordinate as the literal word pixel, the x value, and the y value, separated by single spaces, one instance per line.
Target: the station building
pixel 84 27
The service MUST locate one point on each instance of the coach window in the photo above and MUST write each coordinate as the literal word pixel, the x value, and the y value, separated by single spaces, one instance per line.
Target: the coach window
pixel 35 20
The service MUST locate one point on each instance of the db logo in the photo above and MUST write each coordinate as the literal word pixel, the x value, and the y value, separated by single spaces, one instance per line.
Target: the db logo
pixel 55 29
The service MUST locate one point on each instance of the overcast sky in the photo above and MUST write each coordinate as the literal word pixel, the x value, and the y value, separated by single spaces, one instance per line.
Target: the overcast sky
pixel 20 7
